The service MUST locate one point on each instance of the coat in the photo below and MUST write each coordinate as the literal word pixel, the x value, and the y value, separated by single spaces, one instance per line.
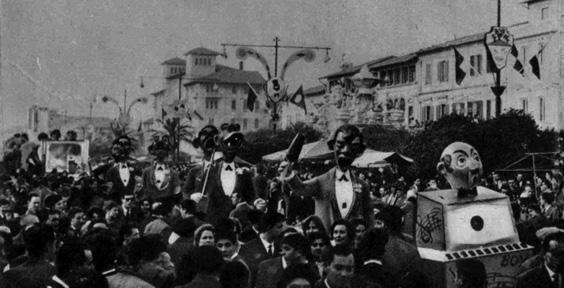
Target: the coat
pixel 219 204
pixel 533 278
pixel 322 189
pixel 30 274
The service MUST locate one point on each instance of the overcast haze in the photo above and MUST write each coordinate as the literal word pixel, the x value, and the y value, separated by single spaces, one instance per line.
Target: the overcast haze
pixel 61 53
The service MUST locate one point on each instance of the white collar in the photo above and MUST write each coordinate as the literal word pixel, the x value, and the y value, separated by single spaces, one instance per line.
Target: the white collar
pixel 372 261
pixel 232 164
pixel 550 272
pixel 326 284
pixel 266 243
pixel 284 263
pixel 59 281
pixel 339 173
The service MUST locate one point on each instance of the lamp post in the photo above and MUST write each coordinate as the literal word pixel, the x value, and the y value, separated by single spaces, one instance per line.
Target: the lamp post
pixel 124 117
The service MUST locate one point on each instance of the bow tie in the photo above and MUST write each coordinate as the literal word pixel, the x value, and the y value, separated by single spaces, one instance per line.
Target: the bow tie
pixel 160 167
pixel 123 166
pixel 228 168
pixel 344 178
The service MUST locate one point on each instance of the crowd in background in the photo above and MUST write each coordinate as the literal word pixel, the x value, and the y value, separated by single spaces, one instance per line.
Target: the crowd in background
pixel 58 230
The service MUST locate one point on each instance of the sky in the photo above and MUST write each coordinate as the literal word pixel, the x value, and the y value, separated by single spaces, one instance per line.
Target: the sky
pixel 64 53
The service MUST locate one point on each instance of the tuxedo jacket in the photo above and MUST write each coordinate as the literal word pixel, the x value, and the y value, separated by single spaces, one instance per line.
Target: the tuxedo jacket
pixel 119 188
pixel 322 189
pixel 219 204
pixel 166 190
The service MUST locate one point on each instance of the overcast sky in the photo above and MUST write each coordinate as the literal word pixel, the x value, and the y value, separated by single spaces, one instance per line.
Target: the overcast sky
pixel 61 53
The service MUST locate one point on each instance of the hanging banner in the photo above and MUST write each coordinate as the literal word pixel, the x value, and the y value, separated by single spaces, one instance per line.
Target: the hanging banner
pixel 499 42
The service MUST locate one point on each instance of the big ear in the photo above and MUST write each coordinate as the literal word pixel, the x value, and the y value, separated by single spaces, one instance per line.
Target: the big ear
pixel 441 168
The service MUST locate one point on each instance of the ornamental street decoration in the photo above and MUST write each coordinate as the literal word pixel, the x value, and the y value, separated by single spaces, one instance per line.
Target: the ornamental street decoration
pixel 499 42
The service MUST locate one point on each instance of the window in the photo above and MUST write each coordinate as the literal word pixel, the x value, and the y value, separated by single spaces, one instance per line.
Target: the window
pixel 256 123
pixel 475 65
pixel 427 74
pixel 396 76
pixel 525 105
pixel 404 74
pixel 427 114
pixel 544 13
pixel 212 103
pixel 442 110
pixel 488 109
pixel 542 114
pixel 245 124
pixel 442 71
pixel 208 88
pixel 234 89
pixel 244 105
pixel 233 105
pixel 411 76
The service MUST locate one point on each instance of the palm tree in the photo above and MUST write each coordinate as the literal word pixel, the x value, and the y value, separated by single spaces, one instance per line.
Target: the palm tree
pixel 176 131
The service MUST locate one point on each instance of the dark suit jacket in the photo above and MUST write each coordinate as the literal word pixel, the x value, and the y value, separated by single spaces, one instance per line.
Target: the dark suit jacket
pixel 401 260
pixel 219 204
pixel 118 188
pixel 253 252
pixel 533 278
pixel 179 248
pixel 322 189
pixel 269 273
pixel 30 274
pixel 194 180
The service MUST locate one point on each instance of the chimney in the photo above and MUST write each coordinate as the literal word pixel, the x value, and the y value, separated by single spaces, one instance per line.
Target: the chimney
pixel 241 67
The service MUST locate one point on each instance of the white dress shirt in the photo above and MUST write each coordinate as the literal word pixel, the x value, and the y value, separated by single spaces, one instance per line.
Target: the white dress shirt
pixel 124 173
pixel 228 178
pixel 343 192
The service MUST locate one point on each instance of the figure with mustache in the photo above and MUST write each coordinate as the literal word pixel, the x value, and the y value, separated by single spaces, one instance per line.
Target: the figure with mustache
pixel 339 193
pixel 226 177
pixel 461 166
pixel 160 182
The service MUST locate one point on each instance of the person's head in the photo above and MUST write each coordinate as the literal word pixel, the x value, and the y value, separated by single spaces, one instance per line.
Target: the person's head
pixel 33 203
pixel 207 140
pixel 211 260
pixel 519 177
pixel 341 232
pixel 77 217
pixel 122 146
pixel 73 258
pixel 127 200
pixel 372 245
pixel 470 273
pixel 272 225
pixel 533 210
pixel 340 266
pixel 319 244
pixel 234 275
pixel 313 224
pixel 359 227
pixel 146 205
pixel 55 135
pixel 347 144
pixel 553 248
pixel 187 208
pixel 260 205
pixel 104 248
pixel 236 198
pixel 128 233
pixel 392 218
pixel 53 219
pixel 297 276
pixel 71 135
pixel 146 250
pixel 294 248
pixel 546 198
pixel 39 241
pixel 95 213
pixel 226 242
pixel 204 236
pixel 232 141
pixel 111 210
pixel 461 166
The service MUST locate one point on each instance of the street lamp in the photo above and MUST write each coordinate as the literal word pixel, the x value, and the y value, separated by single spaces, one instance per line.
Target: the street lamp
pixel 124 117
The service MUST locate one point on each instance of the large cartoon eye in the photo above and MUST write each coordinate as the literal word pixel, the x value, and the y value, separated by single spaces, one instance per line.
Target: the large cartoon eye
pixel 461 160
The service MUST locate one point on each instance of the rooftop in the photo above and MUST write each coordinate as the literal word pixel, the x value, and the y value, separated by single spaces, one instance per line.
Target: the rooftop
pixel 202 51
pixel 224 74
pixel 356 69
pixel 313 91
pixel 174 61
pixel 452 43
pixel 395 60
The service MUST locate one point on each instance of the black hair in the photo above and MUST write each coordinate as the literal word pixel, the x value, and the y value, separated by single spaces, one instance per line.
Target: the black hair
pixel 226 235
pixel 316 220
pixel 37 238
pixel 372 246
pixel 73 211
pixel 298 242
pixel 347 224
pixel 392 217
pixel 104 248
pixel 147 249
pixel 548 197
pixel 347 129
pixel 269 221
pixel 213 260
pixel 320 235
pixel 189 205
pixel 70 255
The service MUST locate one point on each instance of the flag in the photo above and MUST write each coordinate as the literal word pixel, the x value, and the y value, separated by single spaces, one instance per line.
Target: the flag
pixel 518 66
pixel 163 115
pixel 298 99
pixel 251 97
pixel 535 68
pixel 459 72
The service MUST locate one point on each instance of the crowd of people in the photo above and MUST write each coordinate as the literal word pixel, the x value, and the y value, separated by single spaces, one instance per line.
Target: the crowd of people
pixel 221 223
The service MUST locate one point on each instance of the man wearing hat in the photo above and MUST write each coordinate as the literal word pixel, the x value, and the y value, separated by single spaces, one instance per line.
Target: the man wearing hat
pixel 338 194
pixel 160 182
pixel 227 177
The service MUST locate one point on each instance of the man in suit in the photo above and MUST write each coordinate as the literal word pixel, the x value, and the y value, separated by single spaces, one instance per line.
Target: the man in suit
pixel 338 194
pixel 550 210
pixel 207 141
pixel 265 246
pixel 121 174
pixel 340 269
pixel 293 248
pixel 227 177
pixel 160 182
pixel 549 273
